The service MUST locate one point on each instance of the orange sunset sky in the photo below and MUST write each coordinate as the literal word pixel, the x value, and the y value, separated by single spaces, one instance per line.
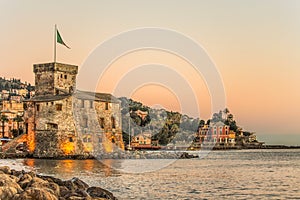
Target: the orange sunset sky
pixel 253 43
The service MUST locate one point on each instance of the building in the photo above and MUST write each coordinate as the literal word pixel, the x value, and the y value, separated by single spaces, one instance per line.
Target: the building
pixel 143 141
pixel 61 120
pixel 11 118
pixel 215 134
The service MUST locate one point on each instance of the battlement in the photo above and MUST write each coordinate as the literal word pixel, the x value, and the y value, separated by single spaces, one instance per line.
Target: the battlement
pixel 51 67
pixel 55 78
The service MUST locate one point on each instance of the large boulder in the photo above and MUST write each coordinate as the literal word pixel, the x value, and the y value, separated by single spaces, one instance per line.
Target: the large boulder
pixel 99 192
pixel 25 180
pixel 8 187
pixel 48 186
pixel 36 194
pixel 5 169
pixel 21 185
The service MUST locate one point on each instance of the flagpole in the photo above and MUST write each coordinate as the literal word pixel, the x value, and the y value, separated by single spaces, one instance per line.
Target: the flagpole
pixel 55 32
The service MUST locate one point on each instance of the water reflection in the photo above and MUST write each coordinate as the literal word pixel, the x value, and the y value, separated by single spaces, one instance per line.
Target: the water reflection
pixel 260 174
pixel 68 168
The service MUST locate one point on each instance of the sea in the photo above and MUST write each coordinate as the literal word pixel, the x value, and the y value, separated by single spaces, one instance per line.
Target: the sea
pixel 233 174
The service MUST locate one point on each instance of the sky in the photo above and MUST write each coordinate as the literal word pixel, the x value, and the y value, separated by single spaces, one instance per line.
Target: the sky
pixel 254 45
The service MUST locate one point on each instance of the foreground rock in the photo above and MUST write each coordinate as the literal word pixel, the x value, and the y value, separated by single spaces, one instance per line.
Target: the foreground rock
pixel 21 185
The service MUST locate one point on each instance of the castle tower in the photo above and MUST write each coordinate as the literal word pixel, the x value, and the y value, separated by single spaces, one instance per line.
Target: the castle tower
pixel 55 78
pixel 61 121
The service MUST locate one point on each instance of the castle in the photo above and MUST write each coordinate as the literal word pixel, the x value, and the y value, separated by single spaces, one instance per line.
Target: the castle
pixel 63 121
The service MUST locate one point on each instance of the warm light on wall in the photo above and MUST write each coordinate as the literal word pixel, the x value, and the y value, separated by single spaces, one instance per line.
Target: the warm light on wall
pixel 31 141
pixel 68 147
pixel 107 144
pixel 88 147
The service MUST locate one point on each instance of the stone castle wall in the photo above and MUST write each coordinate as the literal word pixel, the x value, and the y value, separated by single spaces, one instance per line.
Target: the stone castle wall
pixel 59 123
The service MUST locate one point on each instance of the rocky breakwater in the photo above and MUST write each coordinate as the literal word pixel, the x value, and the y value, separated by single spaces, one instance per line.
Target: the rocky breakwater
pixel 146 155
pixel 21 185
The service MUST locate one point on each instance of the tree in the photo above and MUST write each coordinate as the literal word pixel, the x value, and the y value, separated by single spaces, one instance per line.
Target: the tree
pixel 18 119
pixel 201 123
pixel 226 112
pixel 3 119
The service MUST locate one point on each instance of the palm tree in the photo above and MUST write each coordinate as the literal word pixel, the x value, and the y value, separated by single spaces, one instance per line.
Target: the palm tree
pixel 3 119
pixel 18 119
pixel 226 112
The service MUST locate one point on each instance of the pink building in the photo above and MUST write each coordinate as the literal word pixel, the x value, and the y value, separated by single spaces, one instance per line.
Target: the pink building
pixel 215 133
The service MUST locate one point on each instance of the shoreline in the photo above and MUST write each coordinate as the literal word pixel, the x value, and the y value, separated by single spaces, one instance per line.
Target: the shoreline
pixel 162 154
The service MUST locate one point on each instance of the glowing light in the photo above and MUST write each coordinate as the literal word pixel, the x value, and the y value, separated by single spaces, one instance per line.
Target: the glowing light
pixel 68 148
pixel 107 144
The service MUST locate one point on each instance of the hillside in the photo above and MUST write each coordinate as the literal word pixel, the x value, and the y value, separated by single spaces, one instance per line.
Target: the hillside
pixel 14 87
pixel 165 126
pixel 9 84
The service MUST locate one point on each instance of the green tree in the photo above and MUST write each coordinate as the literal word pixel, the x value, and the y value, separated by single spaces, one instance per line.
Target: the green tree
pixel 201 123
pixel 226 112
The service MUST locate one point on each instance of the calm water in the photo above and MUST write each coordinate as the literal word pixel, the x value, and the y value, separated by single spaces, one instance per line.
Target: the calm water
pixel 249 174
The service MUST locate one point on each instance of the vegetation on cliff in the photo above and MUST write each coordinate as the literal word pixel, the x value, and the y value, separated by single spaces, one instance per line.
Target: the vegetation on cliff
pixel 166 126
pixel 8 84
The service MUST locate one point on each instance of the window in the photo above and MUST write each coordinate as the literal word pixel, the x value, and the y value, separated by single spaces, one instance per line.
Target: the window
pixel 91 104
pixel 102 122
pixel 51 126
pixel 58 107
pixel 61 75
pixel 52 103
pixel 82 103
pixel 113 122
pixel 66 76
pixel 106 105
pixel 37 107
pixel 70 139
